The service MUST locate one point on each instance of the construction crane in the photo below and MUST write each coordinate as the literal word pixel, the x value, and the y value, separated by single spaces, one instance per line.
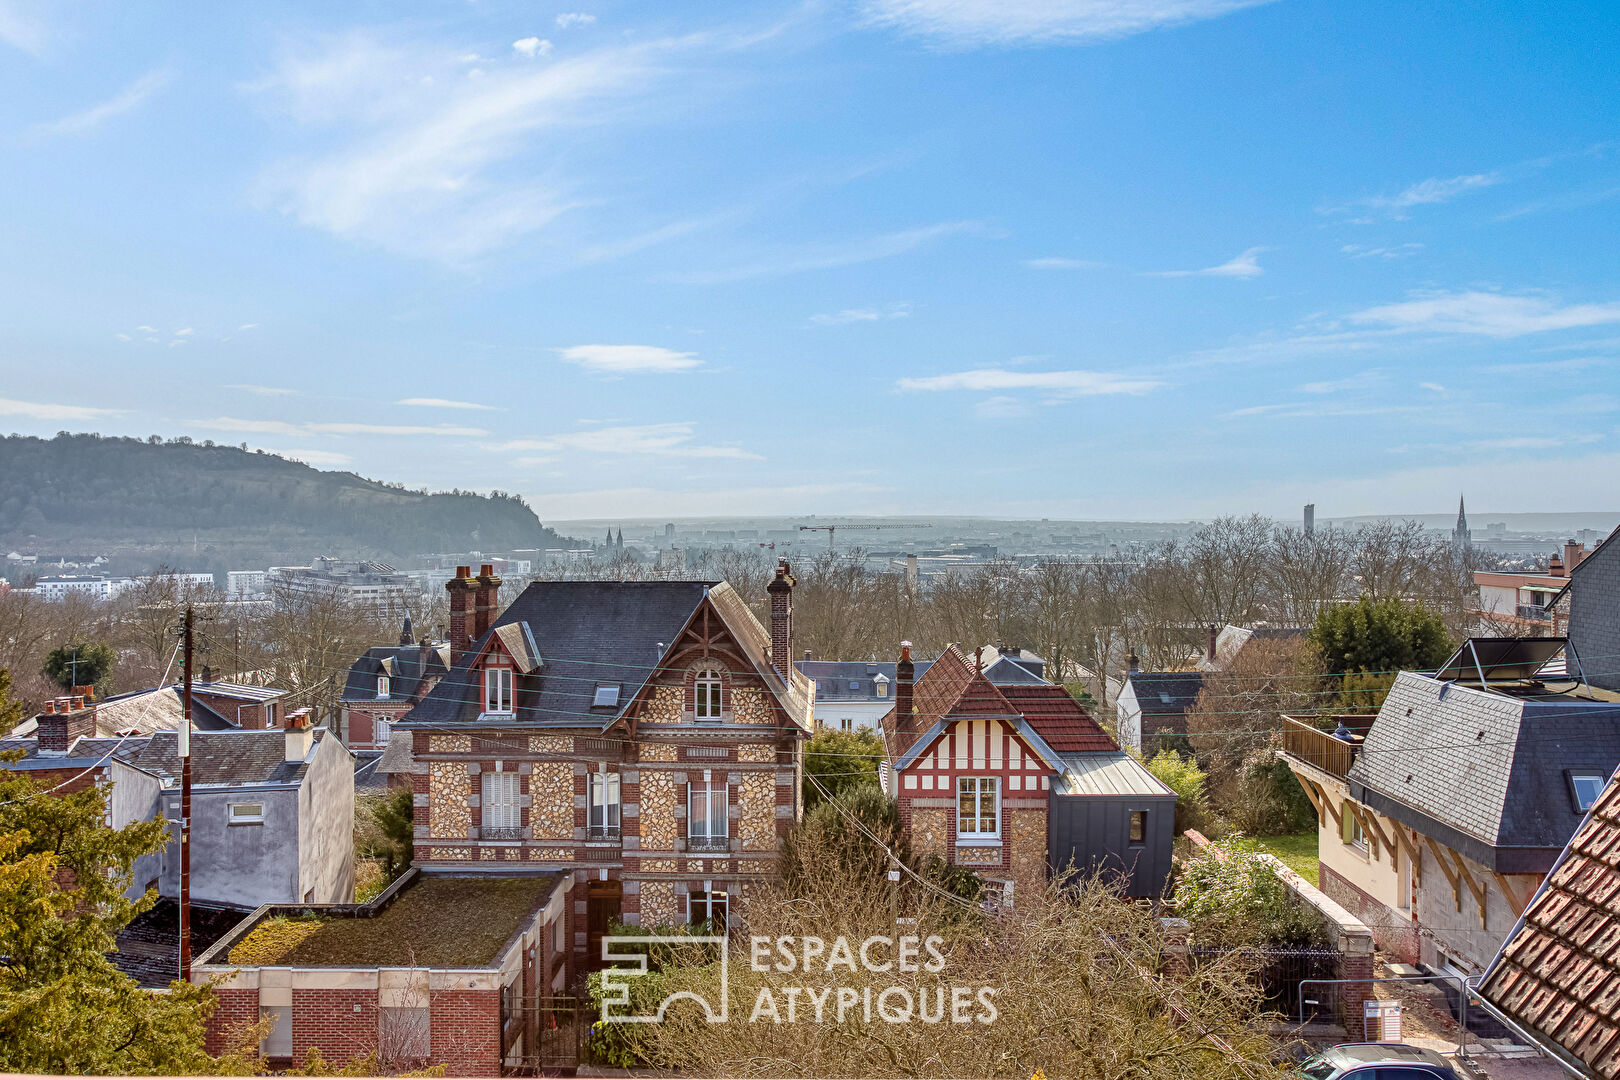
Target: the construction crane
pixel 830 530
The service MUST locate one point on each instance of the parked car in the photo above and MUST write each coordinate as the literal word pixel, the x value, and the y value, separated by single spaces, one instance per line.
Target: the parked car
pixel 1377 1061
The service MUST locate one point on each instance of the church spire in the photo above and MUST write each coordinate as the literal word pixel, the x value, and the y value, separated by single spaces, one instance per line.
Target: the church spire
pixel 1460 536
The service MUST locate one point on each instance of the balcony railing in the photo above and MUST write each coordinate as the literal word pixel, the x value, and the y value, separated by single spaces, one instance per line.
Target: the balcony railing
pixel 602 832
pixel 489 832
pixel 710 844
pixel 1319 748
pixel 1537 612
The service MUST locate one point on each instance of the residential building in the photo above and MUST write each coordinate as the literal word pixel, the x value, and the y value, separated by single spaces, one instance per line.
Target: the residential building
pixel 1521 602
pixel 247 584
pixel 215 706
pixel 1557 977
pixel 1226 642
pixel 1437 824
pixel 371 584
pixel 1585 610
pixel 1151 709
pixel 439 970
pixel 1016 780
pixel 88 586
pixel 644 737
pixel 852 695
pixel 385 684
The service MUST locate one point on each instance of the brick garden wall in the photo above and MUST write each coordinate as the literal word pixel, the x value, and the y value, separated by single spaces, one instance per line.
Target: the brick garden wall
pixel 1395 933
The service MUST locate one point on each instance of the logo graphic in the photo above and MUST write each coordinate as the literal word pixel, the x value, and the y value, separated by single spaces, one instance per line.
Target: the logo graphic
pixel 632 949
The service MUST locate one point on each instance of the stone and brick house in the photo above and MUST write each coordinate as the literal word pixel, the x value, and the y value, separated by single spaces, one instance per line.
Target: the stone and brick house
pixel 1438 820
pixel 440 969
pixel 1015 780
pixel 642 737
pixel 385 684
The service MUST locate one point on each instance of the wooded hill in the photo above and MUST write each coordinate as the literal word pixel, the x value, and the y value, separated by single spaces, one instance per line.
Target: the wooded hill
pixel 201 507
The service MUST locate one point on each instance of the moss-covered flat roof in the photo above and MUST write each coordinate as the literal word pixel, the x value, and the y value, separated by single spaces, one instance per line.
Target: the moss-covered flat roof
pixel 440 922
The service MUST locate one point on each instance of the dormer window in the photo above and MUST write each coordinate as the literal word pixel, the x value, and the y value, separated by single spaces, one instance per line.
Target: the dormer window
pixel 880 687
pixel 706 695
pixel 382 686
pixel 498 690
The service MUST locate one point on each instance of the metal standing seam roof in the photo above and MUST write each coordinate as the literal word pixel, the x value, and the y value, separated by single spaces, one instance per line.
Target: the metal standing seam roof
pixel 1486 771
pixel 1108 773
pixel 1558 973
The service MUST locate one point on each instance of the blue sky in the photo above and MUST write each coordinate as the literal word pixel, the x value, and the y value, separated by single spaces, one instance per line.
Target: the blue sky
pixel 1066 258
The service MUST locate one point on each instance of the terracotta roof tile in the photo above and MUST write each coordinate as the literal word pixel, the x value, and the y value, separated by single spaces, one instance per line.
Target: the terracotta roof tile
pixel 1558 974
pixel 1058 719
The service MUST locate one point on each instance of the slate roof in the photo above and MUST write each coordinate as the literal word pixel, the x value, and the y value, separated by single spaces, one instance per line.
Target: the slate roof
pixel 833 678
pixel 403 666
pixel 1165 693
pixel 1558 973
pixel 367 781
pixel 224 757
pixel 591 632
pixel 149 945
pixel 1485 773
pixel 1060 720
pixel 1010 667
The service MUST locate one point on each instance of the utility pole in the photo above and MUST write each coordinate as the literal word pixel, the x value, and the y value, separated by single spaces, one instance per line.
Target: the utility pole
pixel 185 807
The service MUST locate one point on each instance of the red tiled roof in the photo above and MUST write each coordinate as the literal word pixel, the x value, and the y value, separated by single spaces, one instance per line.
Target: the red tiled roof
pixel 1058 719
pixel 980 697
pixel 933 696
pixel 1559 973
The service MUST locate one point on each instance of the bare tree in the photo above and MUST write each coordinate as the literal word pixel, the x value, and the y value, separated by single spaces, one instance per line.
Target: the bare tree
pixel 1306 570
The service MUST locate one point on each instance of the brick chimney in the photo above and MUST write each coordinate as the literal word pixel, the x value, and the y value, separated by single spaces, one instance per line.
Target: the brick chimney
pixel 62 722
pixel 300 736
pixel 1214 633
pixel 1573 554
pixel 460 589
pixel 1132 661
pixel 1555 566
pixel 905 715
pixel 486 600
pixel 781 591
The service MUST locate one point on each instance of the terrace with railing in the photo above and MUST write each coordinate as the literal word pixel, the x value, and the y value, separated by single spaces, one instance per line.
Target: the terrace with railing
pixel 1322 750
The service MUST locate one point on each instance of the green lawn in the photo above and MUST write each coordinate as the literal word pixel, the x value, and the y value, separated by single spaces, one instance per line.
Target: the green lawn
pixel 1297 851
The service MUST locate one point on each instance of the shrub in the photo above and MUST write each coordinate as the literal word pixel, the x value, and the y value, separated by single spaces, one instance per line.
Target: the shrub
pixel 1181 774
pixel 1233 897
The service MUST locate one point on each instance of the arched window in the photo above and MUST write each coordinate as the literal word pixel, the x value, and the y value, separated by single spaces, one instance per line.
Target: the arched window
pixel 706 699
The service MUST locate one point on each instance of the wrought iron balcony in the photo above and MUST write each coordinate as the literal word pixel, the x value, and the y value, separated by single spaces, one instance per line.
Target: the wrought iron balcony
pixel 602 832
pixel 488 833
pixel 709 844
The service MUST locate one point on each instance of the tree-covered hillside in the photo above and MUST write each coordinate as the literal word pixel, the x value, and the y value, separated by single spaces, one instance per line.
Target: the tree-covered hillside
pixel 199 506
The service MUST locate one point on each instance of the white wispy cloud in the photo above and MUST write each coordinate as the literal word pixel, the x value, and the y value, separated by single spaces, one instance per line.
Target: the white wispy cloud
pixel 672 440
pixel 574 18
pixel 830 255
pixel 1362 380
pixel 21 26
pixel 1393 251
pixel 1297 410
pixel 1062 262
pixel 860 315
pixel 265 391
pixel 1072 383
pixel 629 359
pixel 1001 407
pixel 39 410
pixel 1423 193
pixel 1246 265
pixel 1432 386
pixel 126 100
pixel 962 24
pixel 316 457
pixel 284 427
pixel 184 331
pixel 399 149
pixel 444 403
pixel 532 46
pixel 147 329
pixel 1487 314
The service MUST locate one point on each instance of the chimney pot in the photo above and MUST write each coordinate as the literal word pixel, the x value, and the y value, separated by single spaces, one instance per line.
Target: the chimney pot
pixel 50 708
pixel 299 735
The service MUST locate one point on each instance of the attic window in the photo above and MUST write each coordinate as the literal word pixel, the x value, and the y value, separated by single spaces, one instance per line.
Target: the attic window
pixel 382 686
pixel 1585 787
pixel 607 696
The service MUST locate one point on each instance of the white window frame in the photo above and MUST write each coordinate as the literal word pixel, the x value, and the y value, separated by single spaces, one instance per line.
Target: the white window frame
pixel 708 695
pixel 1575 792
pixel 704 902
pixel 700 826
pixel 498 691
pixel 500 800
pixel 254 816
pixel 382 729
pixel 846 723
pixel 603 805
pixel 382 686
pixel 976 835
